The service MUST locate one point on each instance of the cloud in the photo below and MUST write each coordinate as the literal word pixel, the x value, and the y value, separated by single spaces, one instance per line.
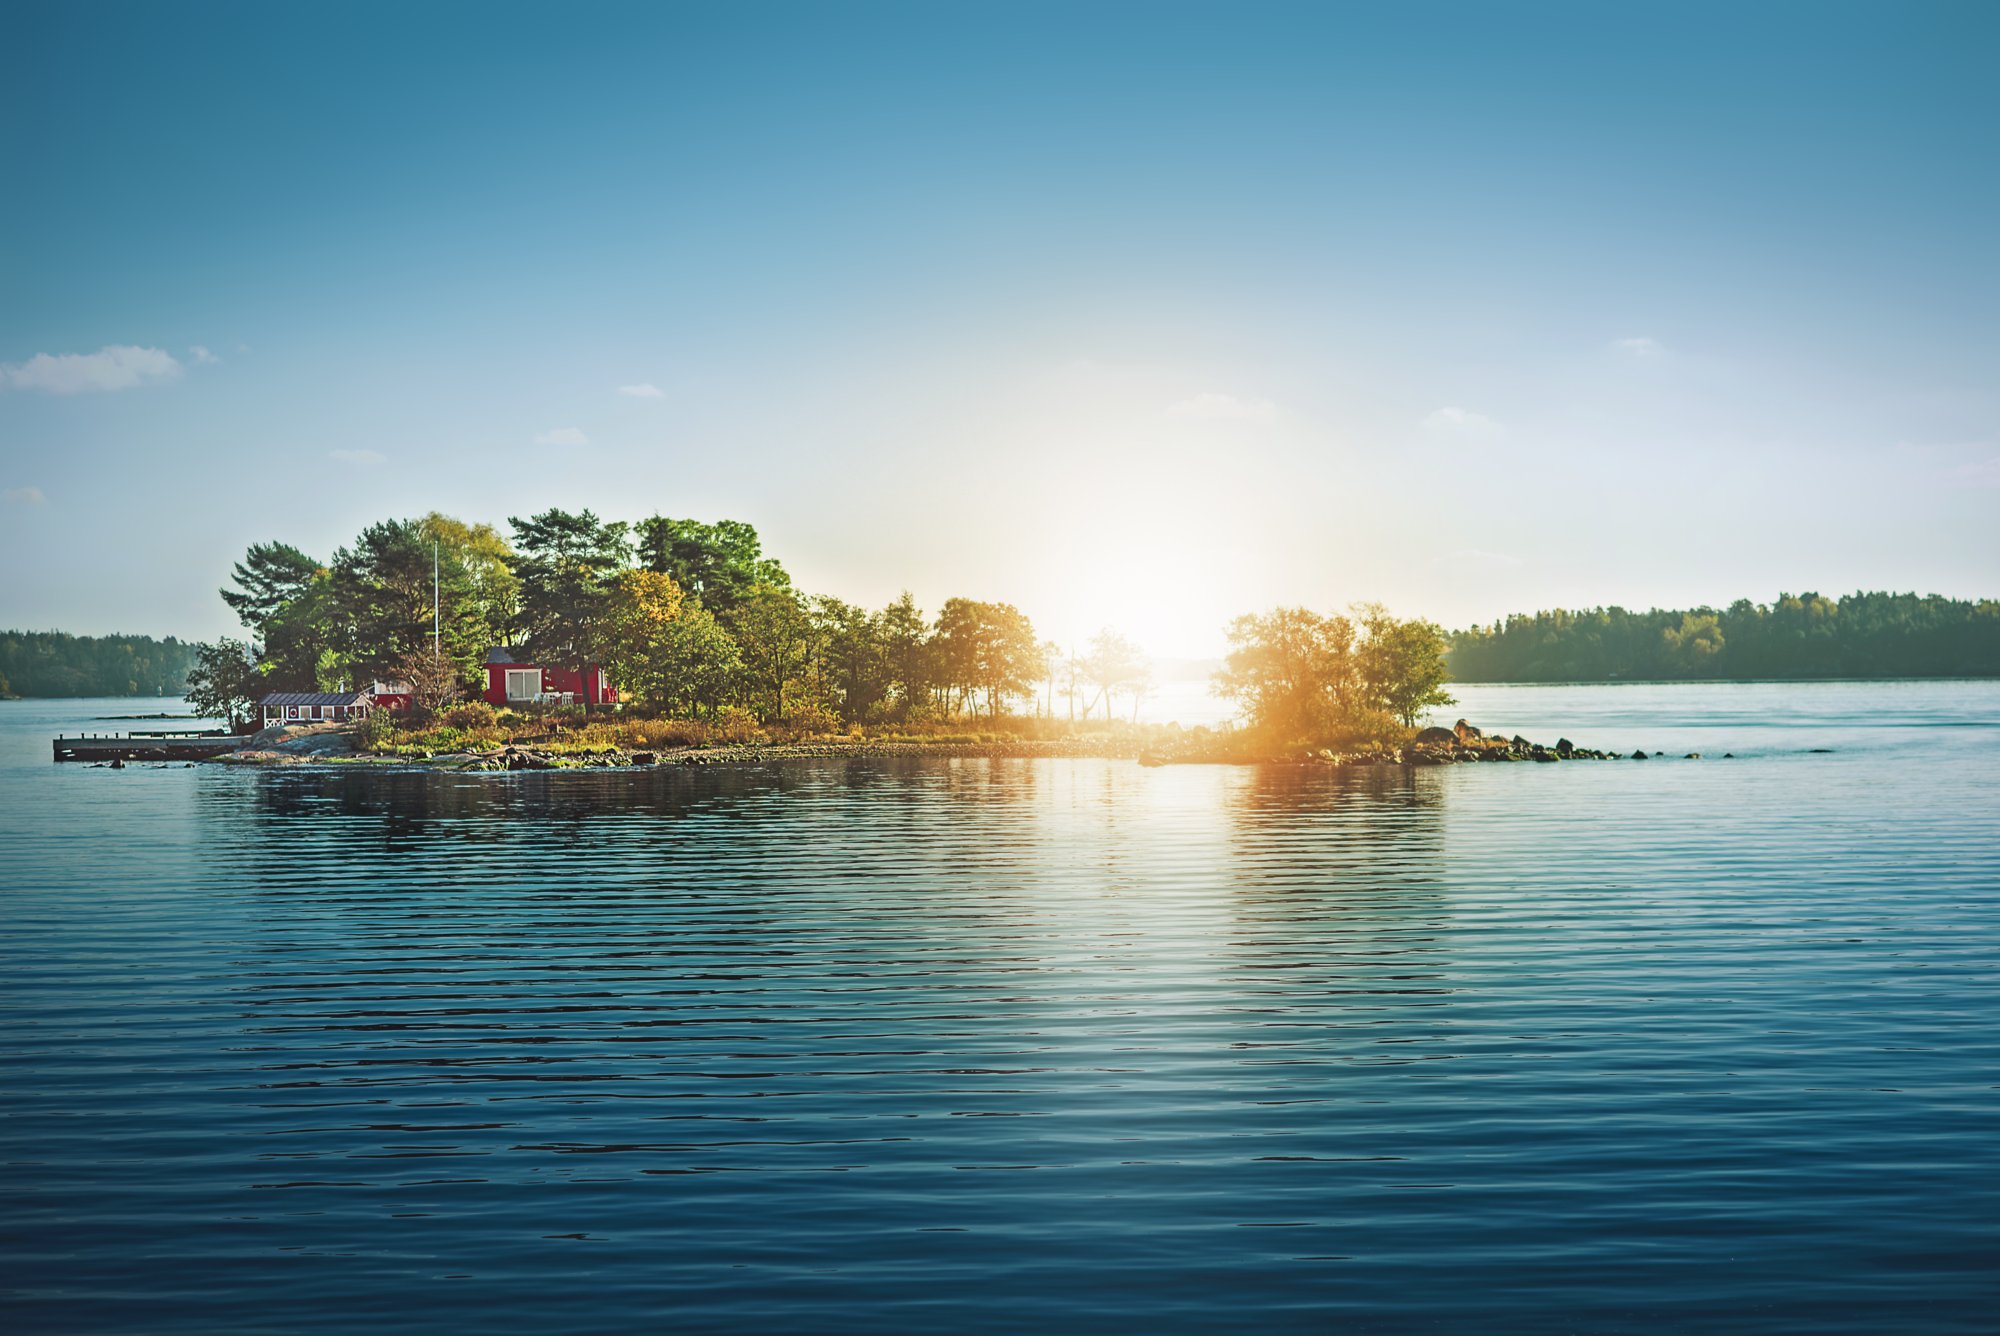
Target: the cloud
pixel 1225 408
pixel 1639 348
pixel 117 367
pixel 1476 559
pixel 643 391
pixel 201 356
pixel 563 436
pixel 1980 473
pixel 1461 422
pixel 26 496
pixel 357 456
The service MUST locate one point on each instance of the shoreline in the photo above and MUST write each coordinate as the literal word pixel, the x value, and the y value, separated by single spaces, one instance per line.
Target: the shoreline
pixel 332 747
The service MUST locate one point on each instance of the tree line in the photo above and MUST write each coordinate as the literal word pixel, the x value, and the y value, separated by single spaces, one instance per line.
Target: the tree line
pixel 54 663
pixel 1861 635
pixel 686 617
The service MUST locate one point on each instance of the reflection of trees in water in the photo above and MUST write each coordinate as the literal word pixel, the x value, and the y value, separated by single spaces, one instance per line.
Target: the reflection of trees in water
pixel 1338 883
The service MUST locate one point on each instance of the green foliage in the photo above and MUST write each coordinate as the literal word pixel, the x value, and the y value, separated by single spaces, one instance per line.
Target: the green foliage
pixel 376 732
pixel 269 576
pixel 471 714
pixel 777 640
pixel 1402 664
pixel 1304 678
pixel 224 682
pixel 1863 635
pixel 1293 672
pixel 52 663
pixel 985 649
pixel 565 566
pixel 719 564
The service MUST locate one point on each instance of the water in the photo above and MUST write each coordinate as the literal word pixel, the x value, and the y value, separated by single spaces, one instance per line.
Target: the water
pixel 1011 1045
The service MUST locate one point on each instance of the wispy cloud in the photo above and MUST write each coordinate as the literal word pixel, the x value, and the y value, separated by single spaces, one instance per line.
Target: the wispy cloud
pixel 1638 348
pixel 1476 559
pixel 1225 408
pixel 648 391
pixel 357 456
pixel 1979 473
pixel 117 367
pixel 563 436
pixel 201 356
pixel 26 496
pixel 1461 422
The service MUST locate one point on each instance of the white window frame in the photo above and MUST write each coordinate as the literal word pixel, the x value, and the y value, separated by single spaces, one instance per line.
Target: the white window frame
pixel 534 675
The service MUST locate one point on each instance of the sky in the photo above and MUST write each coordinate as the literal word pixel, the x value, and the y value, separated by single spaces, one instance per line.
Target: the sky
pixel 1133 315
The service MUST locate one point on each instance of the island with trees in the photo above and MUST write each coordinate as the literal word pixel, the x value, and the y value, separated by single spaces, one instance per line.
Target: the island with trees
pixel 718 654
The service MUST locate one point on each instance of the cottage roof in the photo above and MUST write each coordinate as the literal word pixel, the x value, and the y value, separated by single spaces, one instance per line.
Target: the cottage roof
pixel 315 698
pixel 508 654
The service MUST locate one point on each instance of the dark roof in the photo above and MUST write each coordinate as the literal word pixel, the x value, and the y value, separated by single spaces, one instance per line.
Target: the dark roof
pixel 508 654
pixel 315 698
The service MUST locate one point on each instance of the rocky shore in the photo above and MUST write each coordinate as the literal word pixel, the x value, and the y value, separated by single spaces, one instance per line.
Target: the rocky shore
pixel 324 744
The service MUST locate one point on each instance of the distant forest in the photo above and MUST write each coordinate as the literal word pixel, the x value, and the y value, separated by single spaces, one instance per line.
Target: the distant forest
pixel 1795 636
pixel 52 663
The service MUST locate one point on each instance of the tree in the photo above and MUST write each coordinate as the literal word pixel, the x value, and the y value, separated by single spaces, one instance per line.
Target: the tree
pixel 663 646
pixel 719 563
pixel 384 587
pixel 565 564
pixel 224 682
pixel 852 668
pixel 269 576
pixel 1402 664
pixel 988 648
pixel 493 591
pixel 905 642
pixel 1293 672
pixel 306 642
pixel 1114 664
pixel 433 679
pixel 777 639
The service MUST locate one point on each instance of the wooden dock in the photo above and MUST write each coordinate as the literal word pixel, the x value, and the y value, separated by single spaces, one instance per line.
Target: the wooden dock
pixel 162 746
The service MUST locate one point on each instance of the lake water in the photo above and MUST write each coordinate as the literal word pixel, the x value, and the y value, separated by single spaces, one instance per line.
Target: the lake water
pixel 1021 1045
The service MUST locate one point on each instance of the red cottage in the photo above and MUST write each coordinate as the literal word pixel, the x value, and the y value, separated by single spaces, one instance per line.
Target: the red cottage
pixel 512 679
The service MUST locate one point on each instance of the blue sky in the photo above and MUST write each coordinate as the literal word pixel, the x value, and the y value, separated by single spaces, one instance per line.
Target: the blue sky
pixel 1138 315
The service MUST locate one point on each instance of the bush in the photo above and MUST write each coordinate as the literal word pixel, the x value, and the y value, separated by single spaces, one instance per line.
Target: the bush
pixel 375 732
pixel 811 720
pixel 472 714
pixel 733 725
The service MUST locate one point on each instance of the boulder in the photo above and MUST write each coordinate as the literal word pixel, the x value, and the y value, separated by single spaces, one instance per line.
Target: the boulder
pixel 1638 756
pixel 1466 732
pixel 1564 747
pixel 1432 737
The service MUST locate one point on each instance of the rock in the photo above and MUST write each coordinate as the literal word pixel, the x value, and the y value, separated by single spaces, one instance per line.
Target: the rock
pixel 648 758
pixel 1431 737
pixel 1564 747
pixel 1518 741
pixel 1466 732
pixel 117 763
pixel 1692 756
pixel 1543 754
pixel 1638 756
pixel 1729 756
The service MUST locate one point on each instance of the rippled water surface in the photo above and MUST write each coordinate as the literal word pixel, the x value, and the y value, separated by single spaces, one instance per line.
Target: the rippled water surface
pixel 1011 1045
